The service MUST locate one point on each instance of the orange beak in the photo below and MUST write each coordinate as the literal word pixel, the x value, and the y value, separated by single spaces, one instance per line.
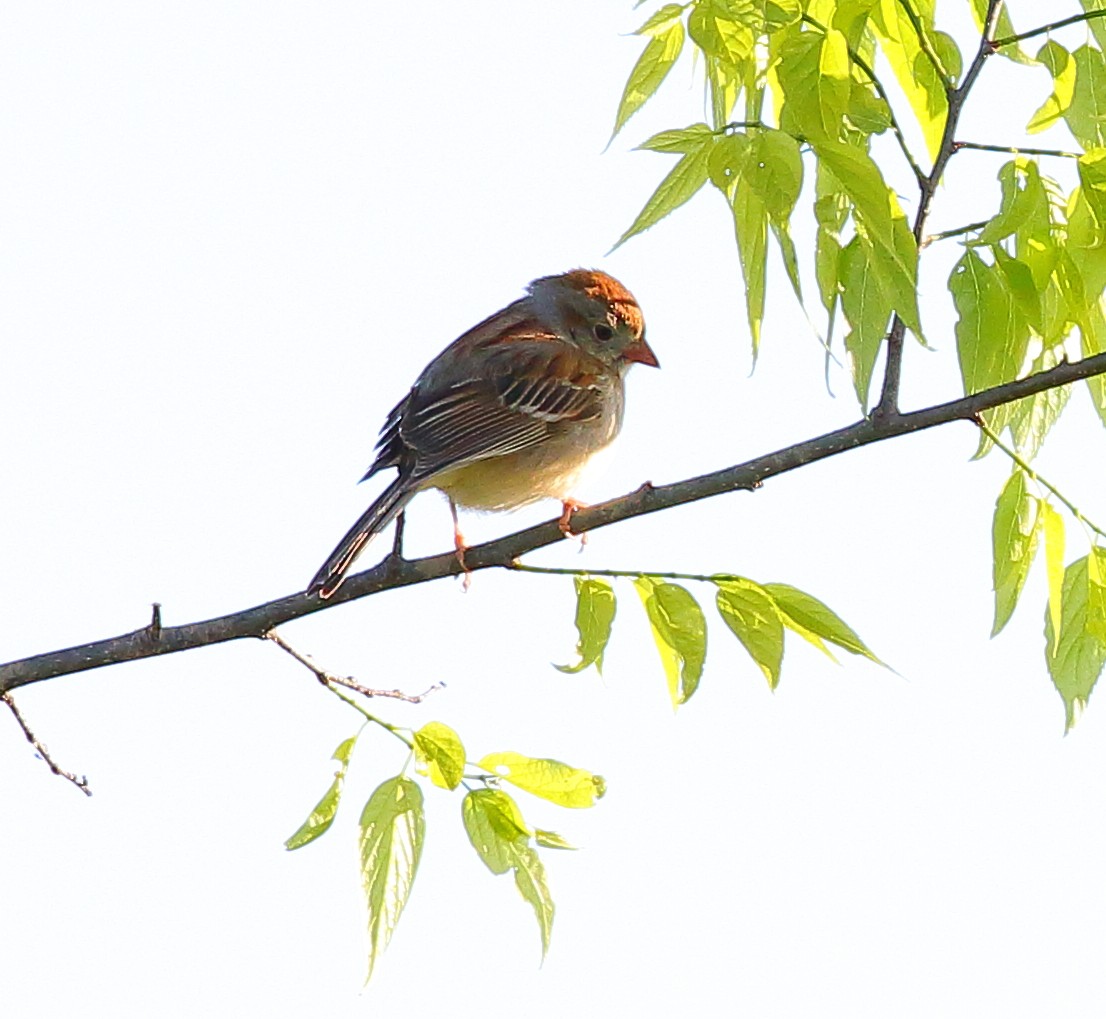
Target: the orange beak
pixel 641 353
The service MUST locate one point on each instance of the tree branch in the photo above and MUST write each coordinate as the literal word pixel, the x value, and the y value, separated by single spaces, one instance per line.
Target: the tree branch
pixel 892 373
pixel 394 572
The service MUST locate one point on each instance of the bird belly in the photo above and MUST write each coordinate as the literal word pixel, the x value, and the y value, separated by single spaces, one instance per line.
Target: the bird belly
pixel 549 470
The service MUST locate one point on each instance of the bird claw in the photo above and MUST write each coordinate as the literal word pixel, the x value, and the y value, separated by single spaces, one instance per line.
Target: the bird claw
pixel 569 507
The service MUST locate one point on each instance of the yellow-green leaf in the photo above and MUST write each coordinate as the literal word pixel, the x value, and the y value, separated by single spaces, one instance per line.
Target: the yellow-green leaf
pixel 595 609
pixel 806 615
pixel 1053 528
pixel 881 223
pixel 322 817
pixel 1014 533
pixel 500 837
pixel 440 754
pixel 1062 67
pixel 991 336
pixel 660 54
pixel 919 80
pixel 682 140
pixel 392 831
pixel 1086 113
pixel 551 840
pixel 678 187
pixel 751 614
pixel 494 823
pixel 680 633
pixel 551 780
pixel 1075 655
pixel 868 311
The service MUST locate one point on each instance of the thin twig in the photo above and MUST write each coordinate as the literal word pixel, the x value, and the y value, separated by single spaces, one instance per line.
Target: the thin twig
pixel 1044 29
pixel 329 678
pixel 81 783
pixel 389 574
pixel 1016 151
pixel 1032 472
pixel 955 232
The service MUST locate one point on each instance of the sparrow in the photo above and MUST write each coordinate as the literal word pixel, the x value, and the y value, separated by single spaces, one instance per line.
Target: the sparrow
pixel 511 411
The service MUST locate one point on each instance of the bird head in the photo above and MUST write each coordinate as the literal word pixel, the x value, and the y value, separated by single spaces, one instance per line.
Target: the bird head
pixel 595 312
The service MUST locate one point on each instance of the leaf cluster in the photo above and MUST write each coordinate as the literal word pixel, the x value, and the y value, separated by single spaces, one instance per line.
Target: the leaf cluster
pixel 795 102
pixel 392 829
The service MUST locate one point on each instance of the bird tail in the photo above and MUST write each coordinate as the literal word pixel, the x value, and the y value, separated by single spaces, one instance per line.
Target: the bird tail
pixel 379 515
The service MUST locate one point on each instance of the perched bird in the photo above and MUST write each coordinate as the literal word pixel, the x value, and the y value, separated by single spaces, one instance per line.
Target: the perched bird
pixel 510 412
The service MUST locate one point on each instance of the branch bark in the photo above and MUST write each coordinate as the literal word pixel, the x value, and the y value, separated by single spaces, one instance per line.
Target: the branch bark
pixel 393 572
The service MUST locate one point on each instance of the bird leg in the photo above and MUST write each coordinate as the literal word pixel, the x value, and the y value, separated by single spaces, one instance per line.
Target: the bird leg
pixel 569 507
pixel 459 546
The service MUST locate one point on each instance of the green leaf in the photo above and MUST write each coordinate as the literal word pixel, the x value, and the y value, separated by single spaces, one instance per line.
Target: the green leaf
pixel 1075 655
pixel 652 67
pixel 682 140
pixel 1092 178
pixel 810 618
pixel 662 20
pixel 392 831
pixel 881 224
pixel 721 31
pixel 494 824
pixel 773 169
pixel 814 71
pixel 500 837
pixel 440 754
pixel 1053 528
pixel 750 220
pixel 1014 533
pixel 531 883
pixel 868 310
pixel 1023 199
pixel 595 609
pixel 991 336
pixel 1062 67
pixel 1032 417
pixel 831 209
pixel 1098 29
pixel 551 780
pixel 680 632
pixel 681 184
pixel 919 80
pixel 322 817
pixel 1086 114
pixel 751 614
pixel 551 840
pixel 867 111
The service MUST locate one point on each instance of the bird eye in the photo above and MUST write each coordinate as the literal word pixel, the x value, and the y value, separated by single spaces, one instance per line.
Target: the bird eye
pixel 603 332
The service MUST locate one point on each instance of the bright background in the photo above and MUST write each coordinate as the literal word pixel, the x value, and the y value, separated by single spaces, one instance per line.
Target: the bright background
pixel 232 235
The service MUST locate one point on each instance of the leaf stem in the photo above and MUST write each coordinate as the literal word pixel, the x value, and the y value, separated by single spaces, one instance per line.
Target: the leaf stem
pixel 1045 484
pixel 568 571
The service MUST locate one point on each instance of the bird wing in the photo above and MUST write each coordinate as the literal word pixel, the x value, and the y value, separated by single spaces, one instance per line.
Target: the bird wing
pixel 523 394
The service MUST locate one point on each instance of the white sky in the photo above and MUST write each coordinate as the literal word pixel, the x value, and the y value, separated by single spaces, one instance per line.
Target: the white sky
pixel 233 234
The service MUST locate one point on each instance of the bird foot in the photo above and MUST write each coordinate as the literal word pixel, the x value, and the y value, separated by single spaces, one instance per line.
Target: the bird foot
pixel 569 507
